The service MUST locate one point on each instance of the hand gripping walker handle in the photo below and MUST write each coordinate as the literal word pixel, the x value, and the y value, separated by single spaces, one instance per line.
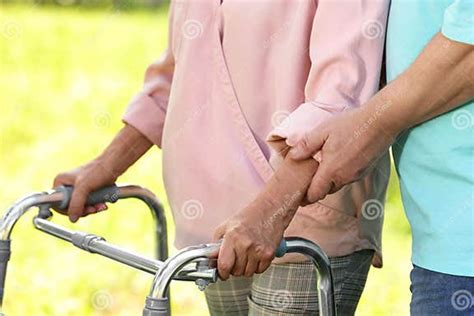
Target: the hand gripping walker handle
pixel 108 194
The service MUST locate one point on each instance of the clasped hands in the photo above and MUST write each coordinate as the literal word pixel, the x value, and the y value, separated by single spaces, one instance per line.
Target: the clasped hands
pixel 339 151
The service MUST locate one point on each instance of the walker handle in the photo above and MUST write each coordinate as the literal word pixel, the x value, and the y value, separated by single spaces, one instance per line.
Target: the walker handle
pixel 282 249
pixel 108 194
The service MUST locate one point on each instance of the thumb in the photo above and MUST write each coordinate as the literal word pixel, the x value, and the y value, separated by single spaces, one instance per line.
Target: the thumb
pixel 311 143
pixel 219 233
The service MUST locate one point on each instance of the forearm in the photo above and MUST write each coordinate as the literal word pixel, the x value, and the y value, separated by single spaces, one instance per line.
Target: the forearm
pixel 285 191
pixel 124 150
pixel 440 79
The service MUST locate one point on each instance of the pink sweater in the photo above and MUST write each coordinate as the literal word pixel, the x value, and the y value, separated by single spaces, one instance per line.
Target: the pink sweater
pixel 238 76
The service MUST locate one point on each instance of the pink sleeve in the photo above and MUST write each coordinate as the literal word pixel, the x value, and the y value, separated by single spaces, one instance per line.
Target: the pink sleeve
pixel 147 110
pixel 346 48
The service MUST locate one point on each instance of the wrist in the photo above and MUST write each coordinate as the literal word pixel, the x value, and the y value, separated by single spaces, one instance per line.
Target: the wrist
pixel 115 159
pixel 381 114
pixel 274 212
pixel 126 148
pixel 108 167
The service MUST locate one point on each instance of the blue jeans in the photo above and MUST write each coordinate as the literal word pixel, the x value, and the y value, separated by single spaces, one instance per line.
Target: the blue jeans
pixel 435 293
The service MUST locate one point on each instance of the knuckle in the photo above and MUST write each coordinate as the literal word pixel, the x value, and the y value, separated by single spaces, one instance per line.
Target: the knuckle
pixel 60 179
pixel 246 243
pixel 230 235
pixel 268 254
pixel 223 267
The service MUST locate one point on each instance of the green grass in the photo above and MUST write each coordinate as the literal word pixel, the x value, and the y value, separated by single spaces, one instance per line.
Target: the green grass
pixel 66 76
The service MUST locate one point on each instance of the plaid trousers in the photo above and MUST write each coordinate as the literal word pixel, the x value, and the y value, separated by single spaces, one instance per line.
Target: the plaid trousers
pixel 290 289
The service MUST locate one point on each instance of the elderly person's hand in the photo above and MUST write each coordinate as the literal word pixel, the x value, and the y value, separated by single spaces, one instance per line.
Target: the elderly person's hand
pixel 126 148
pixel 251 237
pixel 348 144
pixel 85 179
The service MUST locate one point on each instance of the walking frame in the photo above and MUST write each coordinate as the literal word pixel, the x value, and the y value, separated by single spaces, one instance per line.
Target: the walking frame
pixel 194 263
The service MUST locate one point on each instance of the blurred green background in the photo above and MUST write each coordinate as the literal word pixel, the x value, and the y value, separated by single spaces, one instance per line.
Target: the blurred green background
pixel 66 76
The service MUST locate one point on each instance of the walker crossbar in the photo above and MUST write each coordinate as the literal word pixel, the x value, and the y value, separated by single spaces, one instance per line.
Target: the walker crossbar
pixel 194 263
pixel 95 244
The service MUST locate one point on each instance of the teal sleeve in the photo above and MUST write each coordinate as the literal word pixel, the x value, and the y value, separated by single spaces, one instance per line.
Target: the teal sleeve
pixel 458 24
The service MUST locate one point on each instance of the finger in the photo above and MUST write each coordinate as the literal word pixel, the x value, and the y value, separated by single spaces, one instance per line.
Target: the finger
pixel 219 233
pixel 311 143
pixel 59 180
pixel 334 188
pixel 100 207
pixel 240 262
pixel 63 179
pixel 93 210
pixel 77 203
pixel 280 146
pixel 217 236
pixel 90 210
pixel 252 265
pixel 320 186
pixel 226 259
pixel 263 266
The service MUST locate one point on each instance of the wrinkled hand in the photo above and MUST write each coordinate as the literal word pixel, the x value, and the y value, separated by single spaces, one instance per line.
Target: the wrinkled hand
pixel 250 240
pixel 346 146
pixel 85 179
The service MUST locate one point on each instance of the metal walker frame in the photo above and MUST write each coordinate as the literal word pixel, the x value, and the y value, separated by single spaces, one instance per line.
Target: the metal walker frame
pixel 190 264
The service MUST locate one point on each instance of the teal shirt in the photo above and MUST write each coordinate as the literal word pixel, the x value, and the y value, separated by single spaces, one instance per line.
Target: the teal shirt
pixel 435 160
